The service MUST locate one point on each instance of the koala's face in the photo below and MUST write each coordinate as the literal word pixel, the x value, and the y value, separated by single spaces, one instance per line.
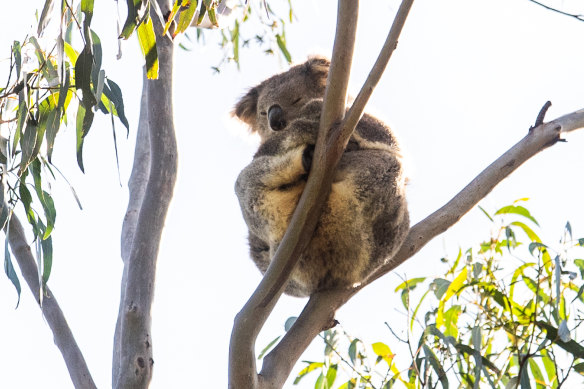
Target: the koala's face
pixel 270 106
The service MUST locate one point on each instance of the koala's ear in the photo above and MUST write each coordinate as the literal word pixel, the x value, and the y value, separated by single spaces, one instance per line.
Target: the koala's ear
pixel 317 67
pixel 246 107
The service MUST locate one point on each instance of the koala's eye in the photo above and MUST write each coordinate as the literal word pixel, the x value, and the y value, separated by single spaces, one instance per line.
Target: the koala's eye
pixel 276 118
pixel 296 101
pixel 263 113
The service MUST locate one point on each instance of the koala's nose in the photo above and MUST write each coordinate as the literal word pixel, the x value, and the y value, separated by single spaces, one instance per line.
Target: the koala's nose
pixel 276 118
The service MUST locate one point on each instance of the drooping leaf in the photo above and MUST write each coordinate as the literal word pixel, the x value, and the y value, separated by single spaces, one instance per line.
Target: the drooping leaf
pixel 311 367
pixel 436 365
pixel 114 93
pixel 134 9
pixel 282 46
pixel 353 350
pixel 186 16
pixel 517 210
pixel 147 40
pixel 268 347
pixel 16 51
pixel 9 269
pixel 83 69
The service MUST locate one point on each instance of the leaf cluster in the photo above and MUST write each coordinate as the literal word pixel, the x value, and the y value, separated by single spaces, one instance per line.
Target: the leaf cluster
pixel 505 314
pixel 47 83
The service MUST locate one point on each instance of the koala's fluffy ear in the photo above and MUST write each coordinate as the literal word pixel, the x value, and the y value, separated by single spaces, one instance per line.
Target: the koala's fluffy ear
pixel 317 68
pixel 246 107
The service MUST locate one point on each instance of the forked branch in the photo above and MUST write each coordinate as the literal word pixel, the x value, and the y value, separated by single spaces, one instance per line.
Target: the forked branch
pixel 319 312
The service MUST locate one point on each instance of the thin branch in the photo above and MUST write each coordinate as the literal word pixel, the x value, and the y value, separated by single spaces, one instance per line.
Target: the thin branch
pixel 62 335
pixel 242 367
pixel 579 17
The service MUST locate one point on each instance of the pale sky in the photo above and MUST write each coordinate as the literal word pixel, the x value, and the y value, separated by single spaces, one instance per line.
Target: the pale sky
pixel 465 84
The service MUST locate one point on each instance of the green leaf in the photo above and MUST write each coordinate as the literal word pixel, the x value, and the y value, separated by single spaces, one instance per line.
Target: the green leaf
pixel 9 269
pixel 311 367
pixel 16 50
pixel 289 323
pixel 439 286
pixel 451 320
pixel 579 367
pixel 134 8
pixel 44 19
pixel 486 213
pixel 84 120
pixel 456 284
pixel 580 264
pixel 331 375
pixel 353 350
pixel 96 67
pixel 282 45
pixel 171 16
pixel 549 366
pixel 524 382
pixel 537 375
pixel 114 93
pixel 186 16
pixel 406 287
pixel 268 347
pixel 83 69
pixel 47 246
pixel 147 40
pixel 383 351
pixel 517 210
pixel 528 231
pixel 71 53
pixel 435 363
pixel 573 347
pixel 27 145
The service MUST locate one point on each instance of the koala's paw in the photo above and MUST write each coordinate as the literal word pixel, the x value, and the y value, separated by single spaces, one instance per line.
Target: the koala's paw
pixel 307 156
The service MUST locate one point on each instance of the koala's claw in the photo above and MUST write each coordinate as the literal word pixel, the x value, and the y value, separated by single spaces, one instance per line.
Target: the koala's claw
pixel 307 156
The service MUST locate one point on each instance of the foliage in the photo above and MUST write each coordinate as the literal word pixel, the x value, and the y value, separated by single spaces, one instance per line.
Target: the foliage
pixel 59 80
pixel 45 86
pixel 504 315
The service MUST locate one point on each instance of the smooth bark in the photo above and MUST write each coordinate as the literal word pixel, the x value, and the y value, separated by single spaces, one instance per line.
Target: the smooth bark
pixel 134 340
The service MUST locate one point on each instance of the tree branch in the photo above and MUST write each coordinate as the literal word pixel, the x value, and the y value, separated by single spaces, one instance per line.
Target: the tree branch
pixel 249 321
pixel 318 313
pixel 576 16
pixel 135 343
pixel 62 335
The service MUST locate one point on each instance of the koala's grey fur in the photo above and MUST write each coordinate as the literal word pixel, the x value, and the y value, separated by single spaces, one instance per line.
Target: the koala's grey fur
pixel 365 218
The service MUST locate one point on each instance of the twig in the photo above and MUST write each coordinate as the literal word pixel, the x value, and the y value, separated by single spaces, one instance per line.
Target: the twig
pixel 541 115
pixel 576 16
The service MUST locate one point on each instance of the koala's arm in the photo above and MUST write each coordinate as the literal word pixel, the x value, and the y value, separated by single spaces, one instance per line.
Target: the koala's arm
pixel 267 188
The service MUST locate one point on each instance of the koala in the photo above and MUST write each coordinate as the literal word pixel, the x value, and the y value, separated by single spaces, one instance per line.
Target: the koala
pixel 365 218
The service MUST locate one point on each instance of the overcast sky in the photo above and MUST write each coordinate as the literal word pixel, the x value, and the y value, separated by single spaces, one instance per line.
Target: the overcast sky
pixel 465 84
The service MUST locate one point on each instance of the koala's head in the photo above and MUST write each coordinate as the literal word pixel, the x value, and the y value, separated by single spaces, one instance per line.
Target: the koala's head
pixel 271 105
